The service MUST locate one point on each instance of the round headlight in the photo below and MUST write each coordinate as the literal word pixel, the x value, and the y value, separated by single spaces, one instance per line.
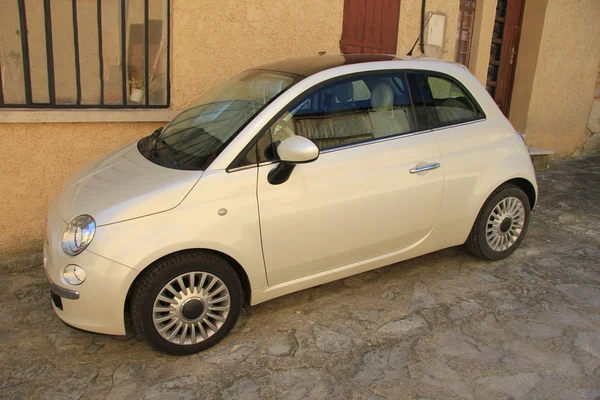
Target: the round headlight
pixel 78 234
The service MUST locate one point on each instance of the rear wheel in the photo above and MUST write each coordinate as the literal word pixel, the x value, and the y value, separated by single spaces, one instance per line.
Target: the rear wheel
pixel 501 224
pixel 187 303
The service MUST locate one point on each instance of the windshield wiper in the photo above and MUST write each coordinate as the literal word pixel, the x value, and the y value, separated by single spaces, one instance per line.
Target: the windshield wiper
pixel 157 139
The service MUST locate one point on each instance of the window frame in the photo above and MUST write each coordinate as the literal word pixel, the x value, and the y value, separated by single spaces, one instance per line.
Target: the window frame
pixel 234 165
pixel 462 87
pixel 50 65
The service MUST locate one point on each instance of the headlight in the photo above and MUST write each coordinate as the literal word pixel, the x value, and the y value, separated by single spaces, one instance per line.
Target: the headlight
pixel 78 234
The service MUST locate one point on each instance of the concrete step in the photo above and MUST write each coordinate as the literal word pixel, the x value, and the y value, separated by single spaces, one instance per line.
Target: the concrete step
pixel 540 158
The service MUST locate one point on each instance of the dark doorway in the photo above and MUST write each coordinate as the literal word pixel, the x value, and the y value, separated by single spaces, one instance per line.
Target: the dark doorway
pixel 370 26
pixel 503 53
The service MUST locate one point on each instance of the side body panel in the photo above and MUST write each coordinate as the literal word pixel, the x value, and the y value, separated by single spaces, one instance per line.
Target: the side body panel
pixel 349 205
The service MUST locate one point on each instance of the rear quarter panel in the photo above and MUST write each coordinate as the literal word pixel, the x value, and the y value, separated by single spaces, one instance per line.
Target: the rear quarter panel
pixel 477 158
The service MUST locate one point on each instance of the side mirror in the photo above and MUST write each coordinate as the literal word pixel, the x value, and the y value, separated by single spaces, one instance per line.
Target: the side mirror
pixel 293 150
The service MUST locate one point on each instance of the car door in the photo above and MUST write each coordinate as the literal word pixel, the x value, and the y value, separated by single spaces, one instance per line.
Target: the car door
pixel 375 189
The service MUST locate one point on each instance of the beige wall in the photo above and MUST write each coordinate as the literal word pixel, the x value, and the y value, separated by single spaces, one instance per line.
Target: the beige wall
pixel 36 160
pixel 483 27
pixel 553 113
pixel 534 15
pixel 410 25
pixel 222 37
pixel 211 40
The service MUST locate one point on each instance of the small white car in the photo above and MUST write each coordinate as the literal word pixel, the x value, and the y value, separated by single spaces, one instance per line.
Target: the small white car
pixel 284 177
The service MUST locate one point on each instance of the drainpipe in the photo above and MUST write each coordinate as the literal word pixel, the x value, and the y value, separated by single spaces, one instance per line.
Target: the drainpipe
pixel 421 43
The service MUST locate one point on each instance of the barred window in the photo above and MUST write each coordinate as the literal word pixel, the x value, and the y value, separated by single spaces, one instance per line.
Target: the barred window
pixel 84 54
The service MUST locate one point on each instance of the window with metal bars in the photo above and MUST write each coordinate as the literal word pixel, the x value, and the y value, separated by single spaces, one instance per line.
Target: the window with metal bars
pixel 464 35
pixel 85 54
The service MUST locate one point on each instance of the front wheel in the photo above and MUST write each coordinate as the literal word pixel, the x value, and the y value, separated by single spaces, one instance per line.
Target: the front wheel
pixel 187 302
pixel 501 224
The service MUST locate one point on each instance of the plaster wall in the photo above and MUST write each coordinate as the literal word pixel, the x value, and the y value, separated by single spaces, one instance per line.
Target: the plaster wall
pixel 410 26
pixel 562 84
pixel 485 14
pixel 534 15
pixel 210 41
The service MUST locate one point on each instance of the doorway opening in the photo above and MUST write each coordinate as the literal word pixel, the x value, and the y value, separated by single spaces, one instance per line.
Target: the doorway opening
pixel 504 50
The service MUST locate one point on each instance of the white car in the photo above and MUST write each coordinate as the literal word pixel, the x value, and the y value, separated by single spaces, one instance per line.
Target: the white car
pixel 284 177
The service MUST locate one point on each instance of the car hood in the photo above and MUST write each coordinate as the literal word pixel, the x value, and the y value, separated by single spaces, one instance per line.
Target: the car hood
pixel 123 185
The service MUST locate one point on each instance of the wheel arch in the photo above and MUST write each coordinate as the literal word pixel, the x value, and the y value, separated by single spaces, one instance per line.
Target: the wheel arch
pixel 237 267
pixel 526 186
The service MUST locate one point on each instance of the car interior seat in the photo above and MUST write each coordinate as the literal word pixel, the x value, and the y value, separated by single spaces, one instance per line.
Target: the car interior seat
pixel 386 121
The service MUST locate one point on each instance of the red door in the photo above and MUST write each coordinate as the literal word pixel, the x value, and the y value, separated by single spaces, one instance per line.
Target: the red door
pixel 370 26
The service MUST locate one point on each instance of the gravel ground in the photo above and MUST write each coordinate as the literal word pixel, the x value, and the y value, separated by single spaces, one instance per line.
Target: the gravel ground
pixel 445 325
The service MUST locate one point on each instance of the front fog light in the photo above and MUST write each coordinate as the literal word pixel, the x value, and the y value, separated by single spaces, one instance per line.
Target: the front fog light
pixel 74 274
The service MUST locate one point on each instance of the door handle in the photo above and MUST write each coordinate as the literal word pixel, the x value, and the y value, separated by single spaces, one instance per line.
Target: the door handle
pixel 427 167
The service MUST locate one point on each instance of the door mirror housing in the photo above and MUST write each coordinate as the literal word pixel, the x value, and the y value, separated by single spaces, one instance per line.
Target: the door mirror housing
pixel 297 150
pixel 293 150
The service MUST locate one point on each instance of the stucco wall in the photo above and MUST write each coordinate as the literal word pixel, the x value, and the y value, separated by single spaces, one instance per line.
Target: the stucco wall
pixel 534 15
pixel 563 82
pixel 410 25
pixel 37 159
pixel 485 14
pixel 222 37
pixel 211 40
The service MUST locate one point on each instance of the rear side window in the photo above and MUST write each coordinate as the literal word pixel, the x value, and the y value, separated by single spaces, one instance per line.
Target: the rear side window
pixel 447 102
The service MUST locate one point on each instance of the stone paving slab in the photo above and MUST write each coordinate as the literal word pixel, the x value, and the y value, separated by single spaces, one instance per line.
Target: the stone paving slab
pixel 445 325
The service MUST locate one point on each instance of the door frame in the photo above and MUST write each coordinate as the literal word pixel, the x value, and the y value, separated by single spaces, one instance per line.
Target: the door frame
pixel 508 57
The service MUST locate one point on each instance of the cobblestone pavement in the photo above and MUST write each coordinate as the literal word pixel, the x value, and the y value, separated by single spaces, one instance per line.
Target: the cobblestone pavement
pixel 445 325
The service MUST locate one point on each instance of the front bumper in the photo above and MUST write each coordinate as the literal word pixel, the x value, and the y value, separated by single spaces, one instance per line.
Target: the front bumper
pixel 98 304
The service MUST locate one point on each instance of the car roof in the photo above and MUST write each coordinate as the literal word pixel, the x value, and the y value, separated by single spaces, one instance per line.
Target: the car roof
pixel 307 66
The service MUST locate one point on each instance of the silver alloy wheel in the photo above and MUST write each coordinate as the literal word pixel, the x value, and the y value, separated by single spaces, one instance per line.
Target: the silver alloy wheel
pixel 505 224
pixel 191 308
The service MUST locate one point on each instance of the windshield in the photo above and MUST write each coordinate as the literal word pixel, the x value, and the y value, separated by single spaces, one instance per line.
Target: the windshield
pixel 197 135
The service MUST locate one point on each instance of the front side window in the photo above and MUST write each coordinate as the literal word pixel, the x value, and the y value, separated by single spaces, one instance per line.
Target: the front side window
pixel 84 54
pixel 350 111
pixel 447 103
pixel 196 136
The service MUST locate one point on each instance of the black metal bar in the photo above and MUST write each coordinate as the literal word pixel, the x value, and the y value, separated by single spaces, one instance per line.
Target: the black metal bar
pixel 76 47
pixel 123 52
pixel 168 53
pixel 146 54
pixel 1 88
pixel 100 53
pixel 49 52
pixel 25 51
pixel 73 107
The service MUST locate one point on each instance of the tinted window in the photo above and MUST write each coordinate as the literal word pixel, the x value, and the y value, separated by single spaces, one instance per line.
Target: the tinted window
pixel 350 111
pixel 447 103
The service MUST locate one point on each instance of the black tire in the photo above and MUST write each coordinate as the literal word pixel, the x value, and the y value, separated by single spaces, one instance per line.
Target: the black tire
pixel 163 272
pixel 477 242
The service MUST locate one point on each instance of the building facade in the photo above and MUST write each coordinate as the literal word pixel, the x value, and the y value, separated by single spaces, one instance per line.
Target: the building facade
pixel 83 77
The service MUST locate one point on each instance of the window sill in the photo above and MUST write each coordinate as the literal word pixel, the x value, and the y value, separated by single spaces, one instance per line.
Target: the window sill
pixel 28 116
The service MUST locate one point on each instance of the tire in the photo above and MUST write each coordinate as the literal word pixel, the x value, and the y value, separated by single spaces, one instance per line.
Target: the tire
pixel 207 309
pixel 508 201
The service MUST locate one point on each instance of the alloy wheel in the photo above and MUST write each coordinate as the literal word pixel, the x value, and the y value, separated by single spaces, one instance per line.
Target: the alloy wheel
pixel 191 308
pixel 505 224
